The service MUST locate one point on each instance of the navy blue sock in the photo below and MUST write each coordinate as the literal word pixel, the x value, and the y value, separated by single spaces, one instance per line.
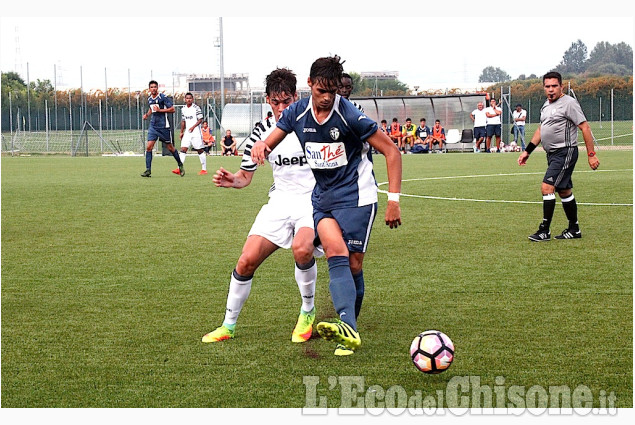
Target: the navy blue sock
pixel 176 156
pixel 148 160
pixel 342 289
pixel 359 289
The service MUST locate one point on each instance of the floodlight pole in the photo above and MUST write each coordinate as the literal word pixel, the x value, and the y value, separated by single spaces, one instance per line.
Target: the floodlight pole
pixel 28 95
pixel 106 93
pixel 222 69
pixel 129 104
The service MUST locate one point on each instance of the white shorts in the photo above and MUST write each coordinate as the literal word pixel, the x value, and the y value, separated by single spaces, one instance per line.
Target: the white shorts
pixel 193 140
pixel 278 221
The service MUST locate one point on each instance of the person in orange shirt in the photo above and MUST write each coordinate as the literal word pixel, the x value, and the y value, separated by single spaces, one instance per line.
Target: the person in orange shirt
pixel 437 136
pixel 395 132
pixel 208 137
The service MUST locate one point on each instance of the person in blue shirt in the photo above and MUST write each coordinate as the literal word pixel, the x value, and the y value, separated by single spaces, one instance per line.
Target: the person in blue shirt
pixel 160 106
pixel 337 138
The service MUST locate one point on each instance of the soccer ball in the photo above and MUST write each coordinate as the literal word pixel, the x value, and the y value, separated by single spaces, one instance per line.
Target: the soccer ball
pixel 432 351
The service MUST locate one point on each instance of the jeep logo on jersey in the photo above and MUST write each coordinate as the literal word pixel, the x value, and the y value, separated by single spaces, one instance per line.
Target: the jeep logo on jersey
pixel 325 155
pixel 334 132
pixel 296 160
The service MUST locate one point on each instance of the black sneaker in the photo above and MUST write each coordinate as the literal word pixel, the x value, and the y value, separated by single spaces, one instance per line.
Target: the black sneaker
pixel 181 170
pixel 146 173
pixel 540 236
pixel 569 234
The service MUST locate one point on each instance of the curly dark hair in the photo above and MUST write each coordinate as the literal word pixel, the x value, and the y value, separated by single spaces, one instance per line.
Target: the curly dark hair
pixel 281 80
pixel 327 70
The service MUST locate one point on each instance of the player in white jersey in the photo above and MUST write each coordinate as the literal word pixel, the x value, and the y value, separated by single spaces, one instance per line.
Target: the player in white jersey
pixel 191 136
pixel 286 221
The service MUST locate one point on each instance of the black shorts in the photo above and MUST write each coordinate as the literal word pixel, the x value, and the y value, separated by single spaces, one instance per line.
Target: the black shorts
pixel 493 129
pixel 561 163
pixel 479 132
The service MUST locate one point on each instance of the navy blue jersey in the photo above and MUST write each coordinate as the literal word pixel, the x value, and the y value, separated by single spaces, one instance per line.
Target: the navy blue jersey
pixel 337 152
pixel 160 119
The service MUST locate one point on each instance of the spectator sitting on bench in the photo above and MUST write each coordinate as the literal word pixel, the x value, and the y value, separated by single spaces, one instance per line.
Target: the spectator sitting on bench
pixel 229 144
pixel 208 138
pixel 395 132
pixel 437 137
pixel 408 135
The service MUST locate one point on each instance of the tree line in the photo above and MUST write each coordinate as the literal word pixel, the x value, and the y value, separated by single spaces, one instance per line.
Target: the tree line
pixel 604 59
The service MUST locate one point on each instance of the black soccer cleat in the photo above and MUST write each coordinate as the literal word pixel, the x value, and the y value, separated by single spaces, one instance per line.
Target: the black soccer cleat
pixel 540 236
pixel 146 173
pixel 181 170
pixel 569 234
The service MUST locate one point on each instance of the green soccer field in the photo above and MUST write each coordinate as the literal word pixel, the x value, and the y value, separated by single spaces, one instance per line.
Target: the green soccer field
pixel 110 280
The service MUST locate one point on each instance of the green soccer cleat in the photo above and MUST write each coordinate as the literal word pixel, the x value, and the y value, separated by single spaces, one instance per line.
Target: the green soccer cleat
pixel 341 350
pixel 304 327
pixel 146 173
pixel 340 332
pixel 221 333
pixel 181 170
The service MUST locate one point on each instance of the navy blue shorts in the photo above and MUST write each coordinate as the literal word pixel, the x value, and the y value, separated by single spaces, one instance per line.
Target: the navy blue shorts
pixel 561 163
pixel 162 134
pixel 480 132
pixel 493 129
pixel 355 222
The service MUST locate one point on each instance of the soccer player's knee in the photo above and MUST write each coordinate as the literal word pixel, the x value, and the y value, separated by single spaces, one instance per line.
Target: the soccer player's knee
pixel 302 253
pixel 356 264
pixel 246 265
pixel 547 189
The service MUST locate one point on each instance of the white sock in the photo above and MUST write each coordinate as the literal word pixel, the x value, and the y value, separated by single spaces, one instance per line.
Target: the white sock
pixel 238 293
pixel 203 159
pixel 182 156
pixel 306 283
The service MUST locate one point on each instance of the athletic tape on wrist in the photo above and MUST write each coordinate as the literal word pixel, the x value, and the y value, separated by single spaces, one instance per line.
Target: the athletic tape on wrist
pixel 393 197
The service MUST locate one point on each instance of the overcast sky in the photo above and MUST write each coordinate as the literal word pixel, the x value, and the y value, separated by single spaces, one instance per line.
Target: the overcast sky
pixel 445 51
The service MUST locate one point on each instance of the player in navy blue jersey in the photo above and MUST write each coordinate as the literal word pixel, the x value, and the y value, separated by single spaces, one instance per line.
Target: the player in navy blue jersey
pixel 337 137
pixel 160 106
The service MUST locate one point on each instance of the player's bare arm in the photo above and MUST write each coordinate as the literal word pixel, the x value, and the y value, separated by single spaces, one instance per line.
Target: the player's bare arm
pixel 238 180
pixel 594 162
pixel 199 122
pixel 385 146
pixel 261 149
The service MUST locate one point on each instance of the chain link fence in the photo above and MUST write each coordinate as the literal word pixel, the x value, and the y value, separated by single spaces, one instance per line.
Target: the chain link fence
pixel 83 130
pixel 610 118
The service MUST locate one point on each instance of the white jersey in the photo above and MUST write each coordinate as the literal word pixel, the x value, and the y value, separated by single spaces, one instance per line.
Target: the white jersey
pixel 191 115
pixel 480 119
pixel 291 172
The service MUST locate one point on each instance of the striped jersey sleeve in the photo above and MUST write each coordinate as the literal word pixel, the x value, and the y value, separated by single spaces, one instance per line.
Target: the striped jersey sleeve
pixel 358 106
pixel 260 132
